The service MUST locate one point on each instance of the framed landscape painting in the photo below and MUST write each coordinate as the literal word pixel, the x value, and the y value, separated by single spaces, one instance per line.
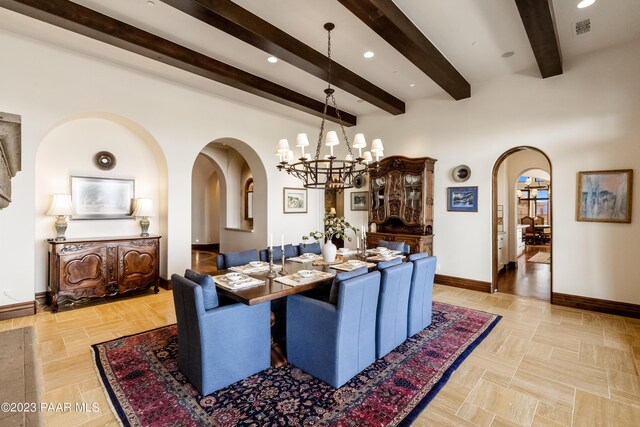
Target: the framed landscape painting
pixel 295 200
pixel 462 199
pixel 604 196
pixel 101 198
pixel 359 201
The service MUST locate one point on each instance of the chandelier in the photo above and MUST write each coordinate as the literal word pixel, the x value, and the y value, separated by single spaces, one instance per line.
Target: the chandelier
pixel 328 172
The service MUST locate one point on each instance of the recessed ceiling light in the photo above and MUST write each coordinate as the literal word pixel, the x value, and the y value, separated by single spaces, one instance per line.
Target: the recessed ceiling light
pixel 474 43
pixel 508 54
pixel 412 84
pixel 359 101
pixel 585 3
pixel 150 3
pixel 272 59
pixel 396 72
pixel 368 54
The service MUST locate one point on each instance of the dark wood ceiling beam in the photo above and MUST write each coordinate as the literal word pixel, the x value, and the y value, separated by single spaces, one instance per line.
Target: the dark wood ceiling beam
pixel 244 25
pixel 87 22
pixel 386 19
pixel 539 23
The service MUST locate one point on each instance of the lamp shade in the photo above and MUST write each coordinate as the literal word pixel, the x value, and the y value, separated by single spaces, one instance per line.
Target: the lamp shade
pixel 283 146
pixel 359 141
pixel 144 207
pixel 332 138
pixel 367 157
pixel 60 205
pixel 376 146
pixel 348 158
pixel 289 156
pixel 302 140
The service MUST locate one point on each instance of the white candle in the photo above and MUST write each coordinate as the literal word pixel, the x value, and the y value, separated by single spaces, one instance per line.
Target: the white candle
pixel 271 241
pixel 282 242
pixel 357 242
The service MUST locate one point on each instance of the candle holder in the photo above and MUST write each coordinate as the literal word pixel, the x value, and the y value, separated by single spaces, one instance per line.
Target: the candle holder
pixel 283 272
pixel 272 272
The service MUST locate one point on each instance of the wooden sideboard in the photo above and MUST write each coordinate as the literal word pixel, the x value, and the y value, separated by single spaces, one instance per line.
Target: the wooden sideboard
pixel 98 267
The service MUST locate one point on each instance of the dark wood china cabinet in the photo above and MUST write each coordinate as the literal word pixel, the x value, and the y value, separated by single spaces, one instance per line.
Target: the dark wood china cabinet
pixel 401 202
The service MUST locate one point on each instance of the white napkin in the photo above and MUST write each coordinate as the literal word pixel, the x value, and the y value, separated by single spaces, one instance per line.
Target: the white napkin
pixel 296 280
pixel 305 258
pixel 248 268
pixel 243 282
pixel 379 258
pixel 347 266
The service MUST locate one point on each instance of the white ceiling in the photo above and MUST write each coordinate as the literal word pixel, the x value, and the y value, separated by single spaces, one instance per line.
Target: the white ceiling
pixel 472 34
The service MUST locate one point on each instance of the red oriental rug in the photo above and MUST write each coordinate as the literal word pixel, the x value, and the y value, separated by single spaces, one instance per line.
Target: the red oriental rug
pixel 144 386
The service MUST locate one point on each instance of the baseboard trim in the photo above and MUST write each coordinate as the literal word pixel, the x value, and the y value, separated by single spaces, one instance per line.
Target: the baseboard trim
pixel 209 247
pixel 21 309
pixel 596 304
pixel 42 297
pixel 459 282
pixel 165 284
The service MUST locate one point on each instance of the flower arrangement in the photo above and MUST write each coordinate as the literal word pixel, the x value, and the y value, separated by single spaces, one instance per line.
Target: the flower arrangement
pixel 334 226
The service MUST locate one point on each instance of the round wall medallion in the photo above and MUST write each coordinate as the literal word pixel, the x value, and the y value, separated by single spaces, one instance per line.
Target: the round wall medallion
pixel 359 181
pixel 105 160
pixel 461 173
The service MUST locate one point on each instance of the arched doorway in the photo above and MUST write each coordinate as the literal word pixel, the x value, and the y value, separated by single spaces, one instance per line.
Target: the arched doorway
pixel 516 268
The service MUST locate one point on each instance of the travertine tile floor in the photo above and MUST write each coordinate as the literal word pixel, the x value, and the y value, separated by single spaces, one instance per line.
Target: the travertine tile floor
pixel 542 365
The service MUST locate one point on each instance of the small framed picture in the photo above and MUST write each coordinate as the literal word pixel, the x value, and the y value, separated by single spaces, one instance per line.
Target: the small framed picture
pixel 359 201
pixel 294 200
pixel 462 199
pixel 604 196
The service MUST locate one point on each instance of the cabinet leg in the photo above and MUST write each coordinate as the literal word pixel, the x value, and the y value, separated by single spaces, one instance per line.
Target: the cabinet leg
pixel 155 288
pixel 54 302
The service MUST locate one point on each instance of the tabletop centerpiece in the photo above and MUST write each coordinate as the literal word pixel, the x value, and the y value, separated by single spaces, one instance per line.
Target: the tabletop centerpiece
pixel 334 226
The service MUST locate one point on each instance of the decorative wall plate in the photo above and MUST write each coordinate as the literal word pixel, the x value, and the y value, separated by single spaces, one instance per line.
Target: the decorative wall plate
pixel 105 160
pixel 461 173
pixel 359 181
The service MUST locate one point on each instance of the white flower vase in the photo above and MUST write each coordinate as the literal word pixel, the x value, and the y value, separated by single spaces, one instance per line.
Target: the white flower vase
pixel 329 251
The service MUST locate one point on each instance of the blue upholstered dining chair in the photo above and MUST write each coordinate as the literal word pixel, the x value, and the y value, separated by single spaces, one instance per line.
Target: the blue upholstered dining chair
pixel 289 251
pixel 309 248
pixel 421 294
pixel 395 246
pixel 393 303
pixel 232 259
pixel 220 345
pixel 334 342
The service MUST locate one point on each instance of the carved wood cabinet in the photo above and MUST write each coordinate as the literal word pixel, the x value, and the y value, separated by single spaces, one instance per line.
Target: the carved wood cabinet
pixel 97 267
pixel 401 202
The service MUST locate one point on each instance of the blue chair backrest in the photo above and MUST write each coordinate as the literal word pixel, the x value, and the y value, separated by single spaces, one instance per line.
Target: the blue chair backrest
pixel 395 246
pixel 421 294
pixel 189 305
pixel 233 259
pixel 393 305
pixel 311 248
pixel 289 251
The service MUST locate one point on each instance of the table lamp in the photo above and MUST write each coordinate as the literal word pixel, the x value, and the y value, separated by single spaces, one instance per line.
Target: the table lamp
pixel 61 208
pixel 144 209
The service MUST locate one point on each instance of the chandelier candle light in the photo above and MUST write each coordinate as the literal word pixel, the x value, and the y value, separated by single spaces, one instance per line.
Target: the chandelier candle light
pixel 327 172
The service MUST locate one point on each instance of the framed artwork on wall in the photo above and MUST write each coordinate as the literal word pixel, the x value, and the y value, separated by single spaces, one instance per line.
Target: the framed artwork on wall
pixel 604 196
pixel 294 200
pixel 360 201
pixel 102 198
pixel 462 199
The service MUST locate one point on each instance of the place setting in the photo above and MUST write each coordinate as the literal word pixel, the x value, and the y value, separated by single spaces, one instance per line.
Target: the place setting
pixel 382 254
pixel 252 267
pixel 236 281
pixel 306 257
pixel 353 264
pixel 303 277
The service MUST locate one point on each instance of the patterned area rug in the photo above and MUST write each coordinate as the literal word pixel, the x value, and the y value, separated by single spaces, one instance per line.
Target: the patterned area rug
pixel 541 257
pixel 142 381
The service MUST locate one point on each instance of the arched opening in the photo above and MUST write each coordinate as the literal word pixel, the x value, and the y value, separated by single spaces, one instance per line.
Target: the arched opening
pixel 228 201
pixel 522 229
pixel 138 158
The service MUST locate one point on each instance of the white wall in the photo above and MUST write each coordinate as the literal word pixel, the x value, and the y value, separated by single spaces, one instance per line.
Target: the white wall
pixel 47 85
pixel 205 206
pixel 586 119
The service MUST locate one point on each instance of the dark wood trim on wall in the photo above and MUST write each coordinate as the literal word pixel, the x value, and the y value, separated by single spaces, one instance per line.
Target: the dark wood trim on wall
pixel 21 309
pixel 595 304
pixel 209 247
pixel 459 282
pixel 165 284
pixel 42 297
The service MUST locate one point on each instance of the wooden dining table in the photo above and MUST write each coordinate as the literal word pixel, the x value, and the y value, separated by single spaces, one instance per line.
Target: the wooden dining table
pixel 275 292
